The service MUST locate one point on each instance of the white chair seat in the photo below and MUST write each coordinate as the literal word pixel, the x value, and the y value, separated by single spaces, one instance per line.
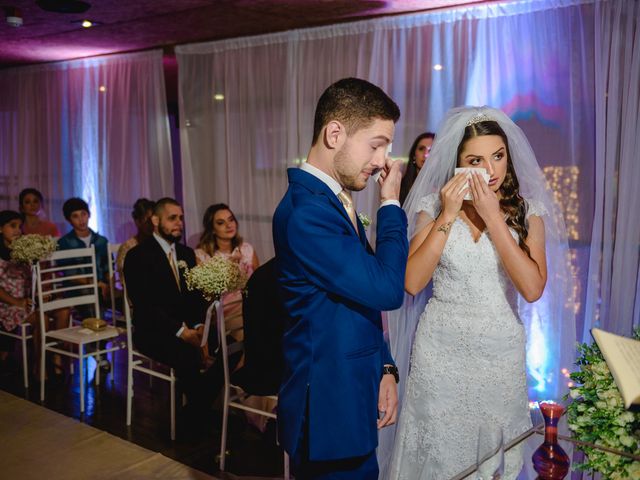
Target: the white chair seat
pixel 82 336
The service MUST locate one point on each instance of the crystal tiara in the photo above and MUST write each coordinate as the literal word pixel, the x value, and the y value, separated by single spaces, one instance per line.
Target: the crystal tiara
pixel 478 117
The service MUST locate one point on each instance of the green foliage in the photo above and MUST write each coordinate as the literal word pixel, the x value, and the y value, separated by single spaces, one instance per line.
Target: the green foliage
pixel 597 415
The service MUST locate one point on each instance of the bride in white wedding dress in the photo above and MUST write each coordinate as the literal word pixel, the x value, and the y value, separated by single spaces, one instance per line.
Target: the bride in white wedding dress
pixel 484 256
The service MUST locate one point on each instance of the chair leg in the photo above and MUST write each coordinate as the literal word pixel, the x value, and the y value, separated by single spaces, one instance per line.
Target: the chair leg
pixel 81 373
pixel 225 418
pixel 173 408
pixel 113 367
pixel 98 359
pixel 129 389
pixel 25 366
pixel 43 356
pixel 286 466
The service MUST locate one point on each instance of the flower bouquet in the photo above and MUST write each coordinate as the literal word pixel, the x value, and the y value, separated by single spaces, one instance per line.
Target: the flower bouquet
pixel 597 416
pixel 215 277
pixel 32 248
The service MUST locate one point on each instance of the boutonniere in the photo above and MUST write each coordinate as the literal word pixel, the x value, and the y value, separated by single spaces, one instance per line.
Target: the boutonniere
pixel 182 265
pixel 364 219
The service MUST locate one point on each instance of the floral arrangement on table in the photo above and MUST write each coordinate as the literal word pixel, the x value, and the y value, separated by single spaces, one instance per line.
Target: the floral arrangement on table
pixel 32 248
pixel 597 416
pixel 215 277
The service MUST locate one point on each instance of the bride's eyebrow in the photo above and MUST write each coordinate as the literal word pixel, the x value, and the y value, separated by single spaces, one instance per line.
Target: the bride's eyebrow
pixel 498 151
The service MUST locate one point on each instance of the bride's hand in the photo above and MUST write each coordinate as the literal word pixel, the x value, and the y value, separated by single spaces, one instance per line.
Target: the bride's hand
pixel 452 194
pixel 485 200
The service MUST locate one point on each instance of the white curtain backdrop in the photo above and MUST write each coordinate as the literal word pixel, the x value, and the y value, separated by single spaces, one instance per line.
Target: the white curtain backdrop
pixel 613 295
pixel 534 59
pixel 94 128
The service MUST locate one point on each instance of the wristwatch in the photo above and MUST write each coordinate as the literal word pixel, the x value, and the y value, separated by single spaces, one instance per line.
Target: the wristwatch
pixel 391 370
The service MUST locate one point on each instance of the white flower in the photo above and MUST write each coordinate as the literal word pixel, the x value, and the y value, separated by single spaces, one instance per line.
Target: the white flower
pixel 182 265
pixel 216 276
pixel 32 248
pixel 627 440
pixel 364 219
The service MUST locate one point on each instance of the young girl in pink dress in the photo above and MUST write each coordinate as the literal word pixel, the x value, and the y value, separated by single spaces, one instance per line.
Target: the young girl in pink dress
pixel 15 278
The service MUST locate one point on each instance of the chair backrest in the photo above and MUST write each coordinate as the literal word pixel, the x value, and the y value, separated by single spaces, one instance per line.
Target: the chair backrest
pixel 227 350
pixel 67 278
pixel 112 249
pixel 127 319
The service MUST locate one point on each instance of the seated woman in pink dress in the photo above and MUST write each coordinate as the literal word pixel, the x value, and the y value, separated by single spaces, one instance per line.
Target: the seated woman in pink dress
pixel 220 237
pixel 31 201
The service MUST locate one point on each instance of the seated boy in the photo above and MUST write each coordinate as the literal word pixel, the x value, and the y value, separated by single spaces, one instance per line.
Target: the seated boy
pixel 77 213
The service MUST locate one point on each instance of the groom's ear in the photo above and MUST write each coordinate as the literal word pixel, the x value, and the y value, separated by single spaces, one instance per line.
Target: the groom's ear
pixel 334 134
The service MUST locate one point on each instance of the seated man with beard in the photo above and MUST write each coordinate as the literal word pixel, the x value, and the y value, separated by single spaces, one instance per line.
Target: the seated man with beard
pixel 168 318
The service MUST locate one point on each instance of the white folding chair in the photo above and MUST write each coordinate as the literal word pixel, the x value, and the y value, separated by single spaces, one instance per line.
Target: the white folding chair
pixel 112 249
pixel 67 278
pixel 23 335
pixel 233 394
pixel 141 363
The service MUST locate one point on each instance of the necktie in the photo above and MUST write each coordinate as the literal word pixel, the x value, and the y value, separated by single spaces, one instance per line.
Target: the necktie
pixel 345 198
pixel 174 269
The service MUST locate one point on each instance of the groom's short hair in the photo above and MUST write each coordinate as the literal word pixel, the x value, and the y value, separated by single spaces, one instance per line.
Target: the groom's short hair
pixel 163 202
pixel 355 103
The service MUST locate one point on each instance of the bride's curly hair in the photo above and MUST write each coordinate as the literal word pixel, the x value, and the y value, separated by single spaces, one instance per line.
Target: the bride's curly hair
pixel 511 203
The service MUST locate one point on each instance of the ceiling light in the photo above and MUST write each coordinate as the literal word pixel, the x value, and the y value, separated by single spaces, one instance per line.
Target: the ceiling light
pixel 219 97
pixel 437 67
pixel 86 23
pixel 102 88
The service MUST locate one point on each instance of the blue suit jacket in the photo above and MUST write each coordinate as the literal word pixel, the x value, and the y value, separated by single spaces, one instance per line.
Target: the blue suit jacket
pixel 333 287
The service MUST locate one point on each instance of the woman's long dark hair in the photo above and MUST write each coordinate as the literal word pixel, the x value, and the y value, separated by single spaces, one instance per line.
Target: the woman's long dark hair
pixel 208 241
pixel 513 205
pixel 7 216
pixel 411 172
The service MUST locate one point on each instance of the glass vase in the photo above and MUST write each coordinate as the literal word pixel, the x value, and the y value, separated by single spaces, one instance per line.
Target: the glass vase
pixel 550 461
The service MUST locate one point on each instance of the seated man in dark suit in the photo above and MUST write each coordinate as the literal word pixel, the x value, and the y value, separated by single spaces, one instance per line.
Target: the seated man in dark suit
pixel 264 320
pixel 168 318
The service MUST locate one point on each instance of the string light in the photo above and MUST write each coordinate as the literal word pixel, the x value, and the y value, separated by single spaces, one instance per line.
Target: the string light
pixel 563 182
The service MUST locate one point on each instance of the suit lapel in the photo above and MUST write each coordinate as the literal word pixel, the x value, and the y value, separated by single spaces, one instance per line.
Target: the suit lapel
pixel 362 232
pixel 318 186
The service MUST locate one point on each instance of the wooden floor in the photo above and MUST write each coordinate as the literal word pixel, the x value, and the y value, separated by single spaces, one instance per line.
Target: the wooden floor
pixel 250 452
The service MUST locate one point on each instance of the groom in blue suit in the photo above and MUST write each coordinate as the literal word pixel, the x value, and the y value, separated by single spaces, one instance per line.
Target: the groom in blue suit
pixel 339 384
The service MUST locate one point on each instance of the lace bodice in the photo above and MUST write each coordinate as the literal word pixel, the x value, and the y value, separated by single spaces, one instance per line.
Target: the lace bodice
pixel 471 272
